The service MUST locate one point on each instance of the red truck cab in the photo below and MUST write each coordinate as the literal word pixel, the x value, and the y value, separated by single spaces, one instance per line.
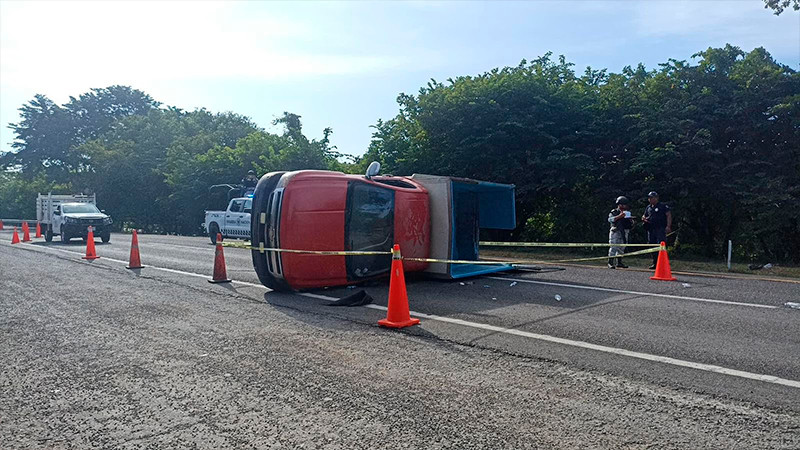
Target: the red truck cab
pixel 331 211
pixel 429 216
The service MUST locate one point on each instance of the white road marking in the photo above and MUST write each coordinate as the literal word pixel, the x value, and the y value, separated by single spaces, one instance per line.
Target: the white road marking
pixel 542 337
pixel 647 294
pixel 606 349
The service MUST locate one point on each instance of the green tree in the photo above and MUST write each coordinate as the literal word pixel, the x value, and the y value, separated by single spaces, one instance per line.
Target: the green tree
pixel 779 5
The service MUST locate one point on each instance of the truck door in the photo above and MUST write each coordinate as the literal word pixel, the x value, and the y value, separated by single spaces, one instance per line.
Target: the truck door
pixel 244 220
pixel 233 219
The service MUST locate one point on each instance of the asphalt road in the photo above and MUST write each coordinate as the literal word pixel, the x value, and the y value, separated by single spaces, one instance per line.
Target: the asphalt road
pixel 94 355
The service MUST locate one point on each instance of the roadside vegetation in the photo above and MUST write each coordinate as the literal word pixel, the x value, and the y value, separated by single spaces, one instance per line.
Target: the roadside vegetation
pixel 716 135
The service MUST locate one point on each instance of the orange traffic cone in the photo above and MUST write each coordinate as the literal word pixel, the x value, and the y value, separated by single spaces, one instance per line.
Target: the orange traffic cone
pixel 38 230
pixel 135 262
pixel 90 252
pixel 15 237
pixel 26 232
pixel 220 274
pixel 397 315
pixel 663 272
pixel 1 224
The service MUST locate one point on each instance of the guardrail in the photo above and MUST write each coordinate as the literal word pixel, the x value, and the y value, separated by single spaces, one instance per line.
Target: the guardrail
pixel 17 221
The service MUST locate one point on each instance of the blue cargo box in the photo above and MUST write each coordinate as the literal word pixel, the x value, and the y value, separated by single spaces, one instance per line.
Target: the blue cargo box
pixel 460 208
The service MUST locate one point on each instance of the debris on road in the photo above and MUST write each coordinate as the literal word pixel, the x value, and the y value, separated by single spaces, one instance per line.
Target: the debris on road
pixel 558 298
pixel 513 284
pixel 359 298
pixel 792 305
pixel 686 285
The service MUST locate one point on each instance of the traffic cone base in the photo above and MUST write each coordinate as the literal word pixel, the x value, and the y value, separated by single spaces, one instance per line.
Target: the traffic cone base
pixel 397 313
pixel 663 271
pixel 15 237
pixel 90 251
pixel 407 323
pixel 134 262
pixel 220 273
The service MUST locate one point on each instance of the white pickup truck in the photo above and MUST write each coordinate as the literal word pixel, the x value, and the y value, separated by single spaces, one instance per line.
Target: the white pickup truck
pixel 71 216
pixel 233 222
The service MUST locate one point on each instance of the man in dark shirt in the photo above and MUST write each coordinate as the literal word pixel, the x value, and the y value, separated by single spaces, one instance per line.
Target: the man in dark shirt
pixel 657 220
pixel 251 180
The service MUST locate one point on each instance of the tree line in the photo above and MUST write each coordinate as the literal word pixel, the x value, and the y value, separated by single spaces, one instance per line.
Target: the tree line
pixel 717 136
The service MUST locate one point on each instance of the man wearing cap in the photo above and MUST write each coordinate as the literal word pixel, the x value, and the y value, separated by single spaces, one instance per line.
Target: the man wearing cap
pixel 621 224
pixel 657 220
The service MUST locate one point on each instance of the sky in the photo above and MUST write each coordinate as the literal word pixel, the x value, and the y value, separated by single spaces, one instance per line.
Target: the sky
pixel 342 64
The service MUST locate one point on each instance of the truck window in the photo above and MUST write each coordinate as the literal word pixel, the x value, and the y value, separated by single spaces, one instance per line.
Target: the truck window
pixel 236 206
pixel 248 206
pixel 369 225
pixel 78 208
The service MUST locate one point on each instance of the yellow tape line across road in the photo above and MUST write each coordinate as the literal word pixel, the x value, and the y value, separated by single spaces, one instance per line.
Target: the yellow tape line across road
pixel 247 246
pixel 555 244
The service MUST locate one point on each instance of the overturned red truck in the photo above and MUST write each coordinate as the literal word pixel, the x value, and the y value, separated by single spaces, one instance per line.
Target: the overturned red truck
pixel 428 216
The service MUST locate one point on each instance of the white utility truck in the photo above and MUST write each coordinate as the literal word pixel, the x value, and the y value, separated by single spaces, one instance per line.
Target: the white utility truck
pixel 71 216
pixel 233 222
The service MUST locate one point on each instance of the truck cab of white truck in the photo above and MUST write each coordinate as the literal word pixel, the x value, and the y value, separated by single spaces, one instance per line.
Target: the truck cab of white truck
pixel 233 222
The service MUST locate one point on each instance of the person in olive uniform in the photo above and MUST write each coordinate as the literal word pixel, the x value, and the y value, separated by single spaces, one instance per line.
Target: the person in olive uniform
pixel 621 223
pixel 657 220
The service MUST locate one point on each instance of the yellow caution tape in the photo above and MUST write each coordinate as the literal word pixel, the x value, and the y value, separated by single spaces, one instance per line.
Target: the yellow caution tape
pixel 261 248
pixel 555 244
pixel 529 261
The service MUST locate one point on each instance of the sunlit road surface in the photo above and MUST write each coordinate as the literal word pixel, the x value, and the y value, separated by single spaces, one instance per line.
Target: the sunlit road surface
pixel 93 354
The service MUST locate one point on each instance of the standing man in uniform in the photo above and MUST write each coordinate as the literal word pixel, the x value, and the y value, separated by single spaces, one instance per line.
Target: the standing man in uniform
pixel 657 222
pixel 621 224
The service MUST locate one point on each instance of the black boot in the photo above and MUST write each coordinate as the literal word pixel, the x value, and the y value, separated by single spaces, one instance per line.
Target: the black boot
pixel 620 264
pixel 655 260
pixel 611 263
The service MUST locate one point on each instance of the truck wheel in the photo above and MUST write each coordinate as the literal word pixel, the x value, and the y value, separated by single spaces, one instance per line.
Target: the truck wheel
pixel 105 237
pixel 265 186
pixel 213 229
pixel 48 233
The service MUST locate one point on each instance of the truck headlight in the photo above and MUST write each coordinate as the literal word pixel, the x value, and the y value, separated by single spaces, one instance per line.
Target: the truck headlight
pixel 107 221
pixel 70 220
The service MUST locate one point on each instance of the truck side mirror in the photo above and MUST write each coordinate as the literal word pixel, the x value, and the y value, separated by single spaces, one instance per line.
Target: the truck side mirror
pixel 248 210
pixel 57 212
pixel 373 169
pixel 103 211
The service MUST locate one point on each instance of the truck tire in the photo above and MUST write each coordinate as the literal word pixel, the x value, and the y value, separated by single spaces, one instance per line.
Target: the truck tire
pixel 265 186
pixel 105 237
pixel 213 229
pixel 64 237
pixel 48 233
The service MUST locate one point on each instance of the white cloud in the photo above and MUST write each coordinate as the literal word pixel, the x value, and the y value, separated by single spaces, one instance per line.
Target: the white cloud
pixel 67 47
